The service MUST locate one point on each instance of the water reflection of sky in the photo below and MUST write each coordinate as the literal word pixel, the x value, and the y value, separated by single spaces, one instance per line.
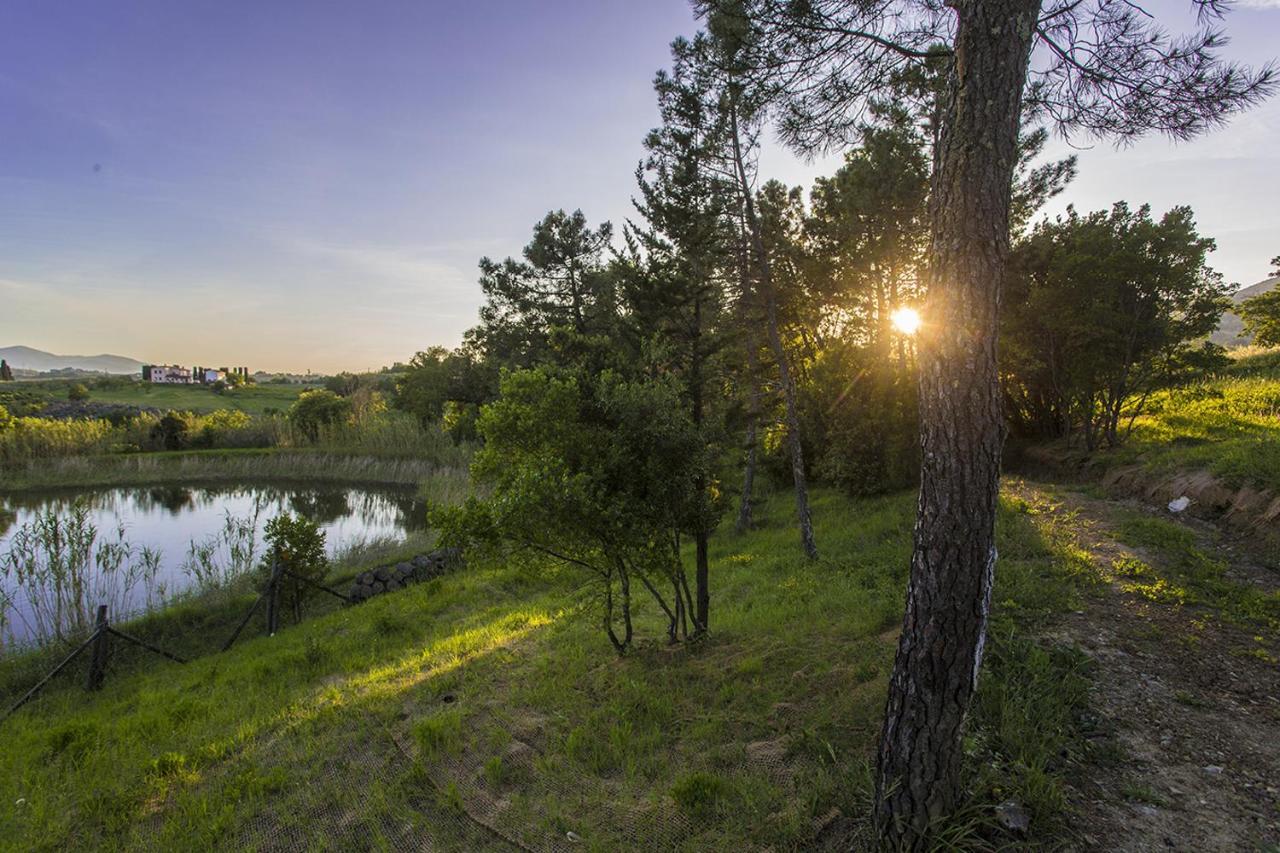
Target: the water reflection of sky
pixel 170 518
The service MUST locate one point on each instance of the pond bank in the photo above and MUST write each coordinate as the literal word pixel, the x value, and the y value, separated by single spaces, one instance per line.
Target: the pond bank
pixel 241 466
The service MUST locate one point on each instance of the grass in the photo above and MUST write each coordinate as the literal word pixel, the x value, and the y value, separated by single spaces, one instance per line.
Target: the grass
pixel 254 400
pixel 1188 575
pixel 199 623
pixel 494 690
pixel 1228 425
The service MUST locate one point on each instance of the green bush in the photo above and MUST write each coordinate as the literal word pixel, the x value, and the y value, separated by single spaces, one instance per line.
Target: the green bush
pixel 170 433
pixel 298 544
pixel 316 410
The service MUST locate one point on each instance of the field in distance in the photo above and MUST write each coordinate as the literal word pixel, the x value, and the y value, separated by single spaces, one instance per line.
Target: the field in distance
pixel 253 399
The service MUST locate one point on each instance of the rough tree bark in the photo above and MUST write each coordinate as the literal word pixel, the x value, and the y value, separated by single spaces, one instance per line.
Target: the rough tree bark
pixel 961 426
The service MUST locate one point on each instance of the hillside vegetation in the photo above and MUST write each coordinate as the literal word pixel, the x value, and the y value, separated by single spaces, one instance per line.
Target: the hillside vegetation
pixel 1227 425
pixel 253 399
pixel 491 696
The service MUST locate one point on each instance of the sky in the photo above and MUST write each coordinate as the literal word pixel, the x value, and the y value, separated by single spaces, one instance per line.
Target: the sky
pixel 309 184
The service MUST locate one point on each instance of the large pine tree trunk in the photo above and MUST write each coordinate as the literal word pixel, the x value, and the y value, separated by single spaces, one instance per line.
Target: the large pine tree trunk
pixel 961 426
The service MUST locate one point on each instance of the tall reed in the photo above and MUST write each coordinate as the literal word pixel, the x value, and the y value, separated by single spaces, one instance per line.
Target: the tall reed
pixel 58 569
pixel 225 556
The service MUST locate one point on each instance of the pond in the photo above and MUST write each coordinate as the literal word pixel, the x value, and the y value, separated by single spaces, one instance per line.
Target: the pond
pixel 135 548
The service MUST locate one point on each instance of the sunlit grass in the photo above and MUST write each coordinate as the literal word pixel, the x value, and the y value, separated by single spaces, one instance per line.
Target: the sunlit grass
pixel 1187 574
pixel 1228 425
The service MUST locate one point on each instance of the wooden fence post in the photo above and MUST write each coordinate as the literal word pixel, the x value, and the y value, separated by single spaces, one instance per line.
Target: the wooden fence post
pixel 273 599
pixel 101 648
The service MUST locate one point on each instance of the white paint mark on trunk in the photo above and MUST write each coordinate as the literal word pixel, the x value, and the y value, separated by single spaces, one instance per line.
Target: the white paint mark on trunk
pixel 988 582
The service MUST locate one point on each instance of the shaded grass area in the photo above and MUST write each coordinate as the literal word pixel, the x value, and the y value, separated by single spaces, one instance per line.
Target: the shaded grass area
pixel 504 698
pixel 239 466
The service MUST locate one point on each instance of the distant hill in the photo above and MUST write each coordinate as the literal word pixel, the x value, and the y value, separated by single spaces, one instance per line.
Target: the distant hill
pixel 1231 330
pixel 26 358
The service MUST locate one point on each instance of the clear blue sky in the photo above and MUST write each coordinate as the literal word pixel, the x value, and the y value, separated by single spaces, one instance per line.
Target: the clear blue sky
pixel 295 185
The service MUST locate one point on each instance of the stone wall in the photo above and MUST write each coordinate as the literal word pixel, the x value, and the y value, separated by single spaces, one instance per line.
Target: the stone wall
pixel 399 575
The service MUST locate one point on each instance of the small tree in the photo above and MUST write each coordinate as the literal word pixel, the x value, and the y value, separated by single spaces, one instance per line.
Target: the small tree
pixel 77 393
pixel 170 432
pixel 6 372
pixel 316 410
pixel 343 384
pixel 6 420
pixel 594 471
pixel 298 544
pixel 1261 315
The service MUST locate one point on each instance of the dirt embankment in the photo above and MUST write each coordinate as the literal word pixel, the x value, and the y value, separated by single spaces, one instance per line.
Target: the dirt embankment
pixel 1244 510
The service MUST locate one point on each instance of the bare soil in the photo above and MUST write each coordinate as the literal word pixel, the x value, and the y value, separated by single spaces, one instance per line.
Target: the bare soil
pixel 1190 698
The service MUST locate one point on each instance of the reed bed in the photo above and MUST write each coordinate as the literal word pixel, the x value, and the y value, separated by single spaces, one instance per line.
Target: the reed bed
pixel 437 480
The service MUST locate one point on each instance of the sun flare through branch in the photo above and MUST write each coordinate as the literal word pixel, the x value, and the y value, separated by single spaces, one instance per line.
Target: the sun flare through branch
pixel 906 320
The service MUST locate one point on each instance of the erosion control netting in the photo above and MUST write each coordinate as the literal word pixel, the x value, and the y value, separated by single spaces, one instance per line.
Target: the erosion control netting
pixel 590 812
pixel 366 796
pixel 498 806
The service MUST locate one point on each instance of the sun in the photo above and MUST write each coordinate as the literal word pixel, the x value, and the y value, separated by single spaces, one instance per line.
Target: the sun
pixel 906 320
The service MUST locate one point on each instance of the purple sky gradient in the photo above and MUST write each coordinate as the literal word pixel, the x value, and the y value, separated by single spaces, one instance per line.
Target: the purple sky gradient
pixel 296 185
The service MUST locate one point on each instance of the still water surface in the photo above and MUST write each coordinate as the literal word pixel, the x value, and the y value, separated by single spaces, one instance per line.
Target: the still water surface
pixel 169 519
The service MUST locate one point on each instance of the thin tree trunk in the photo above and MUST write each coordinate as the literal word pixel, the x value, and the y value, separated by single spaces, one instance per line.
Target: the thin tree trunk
pixel 746 505
pixel 702 578
pixel 961 427
pixel 803 516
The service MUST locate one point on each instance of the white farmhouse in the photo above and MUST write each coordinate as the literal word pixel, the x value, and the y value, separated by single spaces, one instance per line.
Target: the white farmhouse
pixel 166 374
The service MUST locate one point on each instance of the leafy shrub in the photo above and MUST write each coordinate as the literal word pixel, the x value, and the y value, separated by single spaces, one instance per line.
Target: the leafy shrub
pixel 170 433
pixel 315 410
pixel 299 546
pixel 39 438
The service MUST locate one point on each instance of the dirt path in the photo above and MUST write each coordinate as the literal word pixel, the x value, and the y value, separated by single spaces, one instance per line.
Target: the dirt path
pixel 1191 697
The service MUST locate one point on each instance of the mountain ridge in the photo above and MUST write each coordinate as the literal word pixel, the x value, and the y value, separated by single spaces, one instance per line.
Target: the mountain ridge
pixel 1230 331
pixel 30 358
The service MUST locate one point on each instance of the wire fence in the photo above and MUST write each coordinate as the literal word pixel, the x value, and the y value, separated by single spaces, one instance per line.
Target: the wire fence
pixel 98 643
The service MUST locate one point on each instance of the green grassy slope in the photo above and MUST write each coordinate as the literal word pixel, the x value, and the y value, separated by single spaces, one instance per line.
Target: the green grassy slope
pixel 1227 425
pixel 254 399
pixel 494 690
